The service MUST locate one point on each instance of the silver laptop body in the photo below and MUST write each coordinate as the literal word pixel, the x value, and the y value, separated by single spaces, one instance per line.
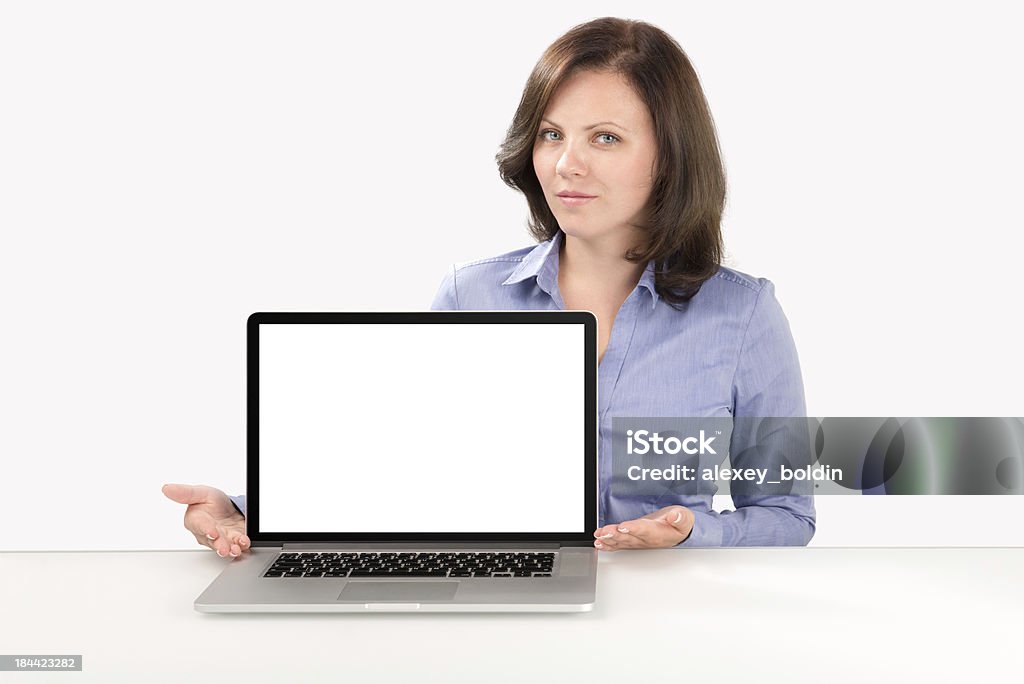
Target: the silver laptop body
pixel 429 461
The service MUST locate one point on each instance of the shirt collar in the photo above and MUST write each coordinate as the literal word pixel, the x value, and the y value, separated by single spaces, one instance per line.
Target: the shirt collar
pixel 647 282
pixel 542 263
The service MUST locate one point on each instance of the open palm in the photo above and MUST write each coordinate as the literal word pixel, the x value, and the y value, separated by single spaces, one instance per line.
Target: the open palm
pixel 211 517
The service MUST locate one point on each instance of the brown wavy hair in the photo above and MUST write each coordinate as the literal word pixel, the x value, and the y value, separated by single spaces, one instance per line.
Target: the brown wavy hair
pixel 683 228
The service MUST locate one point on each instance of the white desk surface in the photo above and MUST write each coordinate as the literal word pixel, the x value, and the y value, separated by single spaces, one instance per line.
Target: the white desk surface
pixel 786 615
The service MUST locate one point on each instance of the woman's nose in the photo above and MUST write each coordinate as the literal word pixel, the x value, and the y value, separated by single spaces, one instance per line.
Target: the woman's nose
pixel 570 163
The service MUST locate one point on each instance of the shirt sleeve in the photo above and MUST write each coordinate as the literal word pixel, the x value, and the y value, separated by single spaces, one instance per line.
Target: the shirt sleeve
pixel 447 297
pixel 767 383
pixel 239 502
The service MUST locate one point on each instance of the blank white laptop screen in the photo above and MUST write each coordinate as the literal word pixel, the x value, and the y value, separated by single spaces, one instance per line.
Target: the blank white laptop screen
pixel 421 427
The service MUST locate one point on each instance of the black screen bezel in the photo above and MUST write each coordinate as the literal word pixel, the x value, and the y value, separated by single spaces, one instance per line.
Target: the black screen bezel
pixel 590 519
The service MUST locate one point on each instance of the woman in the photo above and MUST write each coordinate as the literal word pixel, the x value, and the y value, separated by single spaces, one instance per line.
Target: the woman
pixel 614 148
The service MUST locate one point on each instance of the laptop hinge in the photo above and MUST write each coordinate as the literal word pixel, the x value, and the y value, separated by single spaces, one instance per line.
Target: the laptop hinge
pixel 305 546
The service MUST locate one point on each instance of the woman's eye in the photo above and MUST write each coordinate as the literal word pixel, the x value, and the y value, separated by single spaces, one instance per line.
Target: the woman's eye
pixel 550 135
pixel 607 139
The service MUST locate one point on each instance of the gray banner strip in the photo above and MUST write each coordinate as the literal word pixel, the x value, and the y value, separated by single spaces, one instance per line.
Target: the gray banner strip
pixel 40 663
pixel 655 457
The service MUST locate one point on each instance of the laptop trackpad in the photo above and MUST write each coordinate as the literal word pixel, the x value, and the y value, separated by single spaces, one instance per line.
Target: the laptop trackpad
pixel 398 591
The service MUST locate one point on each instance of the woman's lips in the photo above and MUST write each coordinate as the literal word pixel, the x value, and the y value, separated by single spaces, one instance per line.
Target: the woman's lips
pixel 574 199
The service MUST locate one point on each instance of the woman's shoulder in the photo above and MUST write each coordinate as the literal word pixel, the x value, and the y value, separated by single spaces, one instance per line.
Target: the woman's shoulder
pixel 482 283
pixel 728 278
pixel 730 286
pixel 740 301
pixel 495 271
pixel 508 261
pixel 736 293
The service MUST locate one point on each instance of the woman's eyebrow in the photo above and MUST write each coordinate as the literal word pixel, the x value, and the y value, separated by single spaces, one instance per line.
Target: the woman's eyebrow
pixel 591 126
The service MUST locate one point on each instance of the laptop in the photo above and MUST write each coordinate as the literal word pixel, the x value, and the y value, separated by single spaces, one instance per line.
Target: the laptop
pixel 434 461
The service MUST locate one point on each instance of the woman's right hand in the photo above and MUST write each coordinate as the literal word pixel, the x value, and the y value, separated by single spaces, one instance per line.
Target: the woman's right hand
pixel 211 517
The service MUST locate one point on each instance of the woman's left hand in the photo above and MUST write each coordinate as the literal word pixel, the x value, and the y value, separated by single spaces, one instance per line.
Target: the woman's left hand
pixel 661 529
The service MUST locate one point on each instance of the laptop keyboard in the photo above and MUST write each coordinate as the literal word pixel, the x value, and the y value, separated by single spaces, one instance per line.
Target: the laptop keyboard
pixel 389 564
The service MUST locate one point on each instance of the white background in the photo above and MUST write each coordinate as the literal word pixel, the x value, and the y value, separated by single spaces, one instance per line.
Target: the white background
pixel 168 168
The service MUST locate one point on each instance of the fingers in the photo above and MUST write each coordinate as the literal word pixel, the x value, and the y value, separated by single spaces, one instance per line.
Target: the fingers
pixel 224 543
pixel 662 512
pixel 187 494
pixel 632 534
pixel 675 518
pixel 678 519
pixel 204 527
pixel 226 539
pixel 225 536
pixel 608 538
pixel 642 533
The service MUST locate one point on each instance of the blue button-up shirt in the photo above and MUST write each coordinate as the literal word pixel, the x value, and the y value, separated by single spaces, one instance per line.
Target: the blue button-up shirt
pixel 728 352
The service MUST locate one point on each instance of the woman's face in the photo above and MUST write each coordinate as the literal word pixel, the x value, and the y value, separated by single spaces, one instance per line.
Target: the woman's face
pixel 594 156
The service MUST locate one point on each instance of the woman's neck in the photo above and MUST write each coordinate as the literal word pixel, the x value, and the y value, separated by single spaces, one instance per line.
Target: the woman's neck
pixel 598 269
